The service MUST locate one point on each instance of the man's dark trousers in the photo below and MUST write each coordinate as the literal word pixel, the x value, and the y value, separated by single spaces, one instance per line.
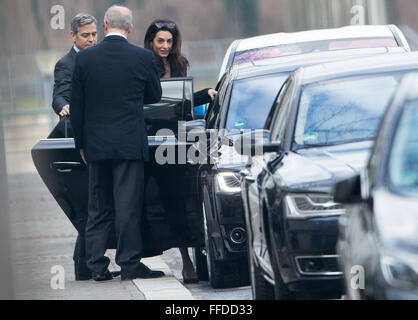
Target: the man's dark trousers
pixel 82 272
pixel 115 189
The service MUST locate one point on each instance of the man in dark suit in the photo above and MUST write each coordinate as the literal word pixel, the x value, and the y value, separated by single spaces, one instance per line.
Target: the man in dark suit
pixel 111 82
pixel 84 35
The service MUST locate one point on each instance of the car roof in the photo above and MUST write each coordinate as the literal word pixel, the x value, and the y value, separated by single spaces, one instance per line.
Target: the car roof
pixel 278 39
pixel 290 63
pixel 357 66
pixel 347 32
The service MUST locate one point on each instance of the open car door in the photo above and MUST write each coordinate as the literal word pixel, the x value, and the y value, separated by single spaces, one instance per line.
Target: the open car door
pixel 171 217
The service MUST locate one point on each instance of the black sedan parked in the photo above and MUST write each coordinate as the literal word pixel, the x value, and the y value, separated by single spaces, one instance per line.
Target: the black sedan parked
pixel 378 241
pixel 321 129
pixel 246 94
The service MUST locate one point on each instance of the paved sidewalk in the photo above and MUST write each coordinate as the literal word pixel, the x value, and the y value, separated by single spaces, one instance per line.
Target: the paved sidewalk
pixel 42 237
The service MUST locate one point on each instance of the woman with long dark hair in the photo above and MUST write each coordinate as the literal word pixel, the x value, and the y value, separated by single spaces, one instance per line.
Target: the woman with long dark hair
pixel 164 39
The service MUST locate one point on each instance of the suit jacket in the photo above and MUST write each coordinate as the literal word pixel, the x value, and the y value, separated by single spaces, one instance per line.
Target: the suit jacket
pixel 110 84
pixel 62 81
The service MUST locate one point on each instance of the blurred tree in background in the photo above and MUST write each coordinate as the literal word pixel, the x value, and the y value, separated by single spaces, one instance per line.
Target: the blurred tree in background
pixel 245 17
pixel 25 24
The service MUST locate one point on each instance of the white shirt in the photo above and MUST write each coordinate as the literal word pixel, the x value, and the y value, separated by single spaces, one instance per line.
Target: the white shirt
pixel 116 34
pixel 76 49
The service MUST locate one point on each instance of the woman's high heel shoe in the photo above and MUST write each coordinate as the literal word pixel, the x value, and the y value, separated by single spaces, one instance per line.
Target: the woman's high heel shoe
pixel 189 280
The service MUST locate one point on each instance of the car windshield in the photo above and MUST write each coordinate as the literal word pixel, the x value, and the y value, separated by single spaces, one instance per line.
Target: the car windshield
pixel 403 161
pixel 251 101
pixel 311 46
pixel 342 111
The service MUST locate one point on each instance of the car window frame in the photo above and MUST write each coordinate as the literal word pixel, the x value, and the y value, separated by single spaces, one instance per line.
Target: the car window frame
pixel 217 103
pixel 277 133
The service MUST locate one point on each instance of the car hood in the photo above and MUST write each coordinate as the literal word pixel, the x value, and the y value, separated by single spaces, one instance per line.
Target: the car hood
pixel 316 169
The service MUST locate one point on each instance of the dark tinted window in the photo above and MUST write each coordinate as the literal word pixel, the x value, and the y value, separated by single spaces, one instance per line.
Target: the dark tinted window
pixel 342 111
pixel 403 162
pixel 251 101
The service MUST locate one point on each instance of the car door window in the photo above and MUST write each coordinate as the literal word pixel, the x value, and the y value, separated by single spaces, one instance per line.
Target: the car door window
pixel 175 105
pixel 251 100
pixel 403 160
pixel 282 112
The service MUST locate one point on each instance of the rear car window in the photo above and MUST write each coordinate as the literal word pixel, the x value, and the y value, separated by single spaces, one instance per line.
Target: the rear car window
pixel 312 46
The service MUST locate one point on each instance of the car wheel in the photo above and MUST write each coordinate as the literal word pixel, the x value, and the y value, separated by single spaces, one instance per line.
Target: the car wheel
pixel 200 264
pixel 223 274
pixel 261 289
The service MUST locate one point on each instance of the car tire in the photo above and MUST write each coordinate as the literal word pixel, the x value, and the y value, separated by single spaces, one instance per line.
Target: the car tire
pixel 226 274
pixel 223 274
pixel 200 264
pixel 261 289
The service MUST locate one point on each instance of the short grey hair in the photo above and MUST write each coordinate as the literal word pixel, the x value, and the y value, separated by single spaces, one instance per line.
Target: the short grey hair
pixel 80 20
pixel 117 19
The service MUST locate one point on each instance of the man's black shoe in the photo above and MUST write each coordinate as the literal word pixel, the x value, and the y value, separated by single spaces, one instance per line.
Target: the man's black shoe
pixel 82 277
pixel 144 273
pixel 103 277
pixel 86 277
pixel 115 273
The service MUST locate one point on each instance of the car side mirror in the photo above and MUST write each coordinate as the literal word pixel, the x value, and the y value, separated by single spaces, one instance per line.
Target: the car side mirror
pixel 256 142
pixel 348 191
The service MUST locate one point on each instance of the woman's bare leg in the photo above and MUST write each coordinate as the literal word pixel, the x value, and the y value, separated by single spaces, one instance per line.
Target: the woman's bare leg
pixel 188 269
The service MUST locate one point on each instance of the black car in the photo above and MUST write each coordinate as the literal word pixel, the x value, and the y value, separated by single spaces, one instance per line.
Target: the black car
pixel 246 94
pixel 378 239
pixel 320 129
pixel 171 218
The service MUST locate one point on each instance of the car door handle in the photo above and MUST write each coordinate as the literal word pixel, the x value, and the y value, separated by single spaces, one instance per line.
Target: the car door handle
pixel 64 167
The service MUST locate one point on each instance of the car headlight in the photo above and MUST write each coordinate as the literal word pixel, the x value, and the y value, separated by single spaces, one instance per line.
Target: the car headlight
pixel 312 205
pixel 228 182
pixel 397 273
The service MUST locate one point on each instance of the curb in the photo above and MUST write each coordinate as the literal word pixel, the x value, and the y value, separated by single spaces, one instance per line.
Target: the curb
pixel 165 288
